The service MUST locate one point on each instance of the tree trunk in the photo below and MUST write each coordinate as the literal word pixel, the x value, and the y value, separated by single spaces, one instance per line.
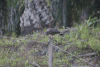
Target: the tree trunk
pixel 3 13
pixel 3 17
pixel 61 10
pixel 36 16
pixel 65 11
pixel 26 5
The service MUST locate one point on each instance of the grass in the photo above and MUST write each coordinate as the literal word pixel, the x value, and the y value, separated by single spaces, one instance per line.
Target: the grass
pixel 19 51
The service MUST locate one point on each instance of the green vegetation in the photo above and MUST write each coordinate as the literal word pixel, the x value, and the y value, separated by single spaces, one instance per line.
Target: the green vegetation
pixel 31 49
pixel 18 52
pixel 48 2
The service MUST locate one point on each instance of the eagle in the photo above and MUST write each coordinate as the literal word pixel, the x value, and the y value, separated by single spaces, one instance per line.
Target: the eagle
pixel 53 31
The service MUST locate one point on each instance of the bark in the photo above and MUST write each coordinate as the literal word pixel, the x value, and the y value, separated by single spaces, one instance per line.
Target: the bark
pixel 65 22
pixel 3 12
pixel 35 17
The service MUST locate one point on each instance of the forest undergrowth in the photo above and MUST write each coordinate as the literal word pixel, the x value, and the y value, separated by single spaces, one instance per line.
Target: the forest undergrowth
pixel 32 50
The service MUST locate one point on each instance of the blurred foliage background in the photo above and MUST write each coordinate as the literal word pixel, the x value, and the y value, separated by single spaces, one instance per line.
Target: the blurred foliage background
pixel 65 12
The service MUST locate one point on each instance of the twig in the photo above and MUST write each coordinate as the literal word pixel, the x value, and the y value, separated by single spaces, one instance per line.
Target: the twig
pixel 89 54
pixel 34 64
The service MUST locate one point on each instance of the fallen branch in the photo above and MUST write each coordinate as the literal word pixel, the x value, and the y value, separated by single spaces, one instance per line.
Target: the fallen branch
pixel 89 54
pixel 34 64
